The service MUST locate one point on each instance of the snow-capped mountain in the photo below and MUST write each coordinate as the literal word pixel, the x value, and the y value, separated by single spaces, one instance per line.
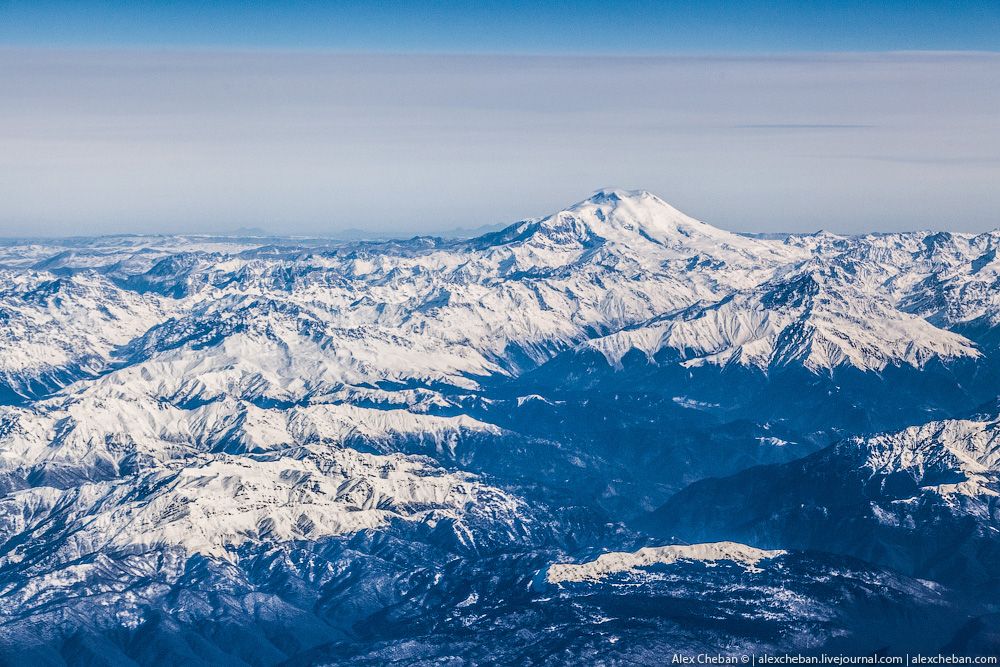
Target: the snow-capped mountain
pixel 921 501
pixel 349 450
pixel 817 319
pixel 57 330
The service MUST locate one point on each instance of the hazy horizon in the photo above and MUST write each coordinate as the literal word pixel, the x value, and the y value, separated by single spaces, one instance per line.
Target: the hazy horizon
pixel 353 234
pixel 312 118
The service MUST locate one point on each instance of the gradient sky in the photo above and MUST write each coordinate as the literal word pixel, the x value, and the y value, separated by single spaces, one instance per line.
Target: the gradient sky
pixel 308 118
pixel 512 26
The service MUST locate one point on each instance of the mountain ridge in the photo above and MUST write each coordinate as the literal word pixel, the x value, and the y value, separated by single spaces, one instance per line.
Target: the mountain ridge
pixel 372 449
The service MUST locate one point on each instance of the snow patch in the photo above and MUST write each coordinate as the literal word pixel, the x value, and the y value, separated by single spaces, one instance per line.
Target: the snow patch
pixel 613 562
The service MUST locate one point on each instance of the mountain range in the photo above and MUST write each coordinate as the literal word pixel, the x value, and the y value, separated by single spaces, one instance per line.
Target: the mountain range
pixel 603 436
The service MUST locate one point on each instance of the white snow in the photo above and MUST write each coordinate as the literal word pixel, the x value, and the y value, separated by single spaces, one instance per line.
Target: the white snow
pixel 212 504
pixel 611 563
pixel 818 321
pixel 257 369
pixel 967 447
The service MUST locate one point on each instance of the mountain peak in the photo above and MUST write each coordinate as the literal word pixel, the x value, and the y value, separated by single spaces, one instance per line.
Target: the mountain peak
pixel 605 195
pixel 630 217
pixel 632 199
pixel 635 224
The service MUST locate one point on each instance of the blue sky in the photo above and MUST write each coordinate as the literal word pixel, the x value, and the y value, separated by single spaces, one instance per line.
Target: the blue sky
pixel 308 118
pixel 513 26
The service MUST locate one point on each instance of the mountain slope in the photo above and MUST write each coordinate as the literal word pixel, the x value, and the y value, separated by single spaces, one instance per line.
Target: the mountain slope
pixel 922 501
pixel 816 319
pixel 295 451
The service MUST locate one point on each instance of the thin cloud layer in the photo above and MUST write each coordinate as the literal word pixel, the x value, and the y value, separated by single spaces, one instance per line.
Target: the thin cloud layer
pixel 312 143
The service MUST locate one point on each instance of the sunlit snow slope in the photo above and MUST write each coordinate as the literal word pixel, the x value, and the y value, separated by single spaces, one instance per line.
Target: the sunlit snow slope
pixel 258 450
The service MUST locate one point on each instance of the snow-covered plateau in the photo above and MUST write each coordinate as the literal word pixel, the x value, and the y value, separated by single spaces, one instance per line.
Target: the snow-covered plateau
pixel 597 437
